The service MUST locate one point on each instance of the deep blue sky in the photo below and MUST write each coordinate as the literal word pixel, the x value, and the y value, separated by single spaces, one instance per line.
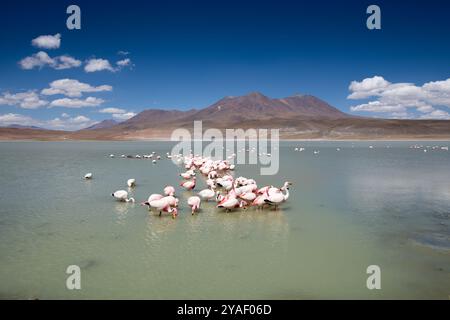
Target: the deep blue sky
pixel 191 53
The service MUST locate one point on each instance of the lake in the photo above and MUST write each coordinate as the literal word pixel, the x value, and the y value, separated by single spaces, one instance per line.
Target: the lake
pixel 388 205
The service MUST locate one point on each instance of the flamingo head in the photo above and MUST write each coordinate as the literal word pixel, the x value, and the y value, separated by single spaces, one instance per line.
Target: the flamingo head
pixel 286 185
pixel 174 213
pixel 145 203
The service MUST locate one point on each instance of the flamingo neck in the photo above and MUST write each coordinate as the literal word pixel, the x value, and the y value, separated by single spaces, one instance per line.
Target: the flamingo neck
pixel 286 195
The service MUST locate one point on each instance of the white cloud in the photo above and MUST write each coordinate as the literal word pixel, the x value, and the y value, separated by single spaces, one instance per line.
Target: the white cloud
pixel 94 65
pixel 112 110
pixel 378 106
pixel 42 59
pixel 66 123
pixel 124 62
pixel 123 53
pixel 77 103
pixel 70 124
pixel 72 88
pixel 367 88
pixel 123 116
pixel 437 114
pixel 14 118
pixel 66 62
pixel 47 41
pixel 26 100
pixel 393 99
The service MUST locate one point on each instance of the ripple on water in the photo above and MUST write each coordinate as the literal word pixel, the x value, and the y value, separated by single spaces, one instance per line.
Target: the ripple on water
pixel 435 241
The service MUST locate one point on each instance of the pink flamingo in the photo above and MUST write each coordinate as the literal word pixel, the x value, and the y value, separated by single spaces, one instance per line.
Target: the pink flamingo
pixel 194 203
pixel 169 191
pixel 188 185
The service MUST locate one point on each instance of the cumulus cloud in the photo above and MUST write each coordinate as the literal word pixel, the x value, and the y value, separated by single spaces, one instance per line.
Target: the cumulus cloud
pixel 94 65
pixel 112 110
pixel 26 100
pixel 72 88
pixel 64 123
pixel 14 118
pixel 77 103
pixel 402 99
pixel 123 116
pixel 68 123
pixel 436 114
pixel 42 59
pixel 47 41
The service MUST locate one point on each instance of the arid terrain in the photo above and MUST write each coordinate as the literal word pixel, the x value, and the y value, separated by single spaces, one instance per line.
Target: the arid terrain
pixel 297 117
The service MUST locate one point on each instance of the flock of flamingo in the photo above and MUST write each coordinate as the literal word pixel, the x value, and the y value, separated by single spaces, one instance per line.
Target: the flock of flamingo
pixel 228 192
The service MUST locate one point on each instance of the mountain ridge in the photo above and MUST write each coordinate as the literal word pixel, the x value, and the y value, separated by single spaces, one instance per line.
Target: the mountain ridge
pixel 296 117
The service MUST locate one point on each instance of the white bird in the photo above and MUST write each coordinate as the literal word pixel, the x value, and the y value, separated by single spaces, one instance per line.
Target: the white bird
pixel 276 198
pixel 194 203
pixel 207 194
pixel 111 156
pixel 88 175
pixel 122 195
pixel 131 183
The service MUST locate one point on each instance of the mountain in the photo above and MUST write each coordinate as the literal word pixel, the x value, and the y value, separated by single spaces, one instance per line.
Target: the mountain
pixel 296 117
pixel 256 106
pixel 154 118
pixel 102 125
pixel 19 126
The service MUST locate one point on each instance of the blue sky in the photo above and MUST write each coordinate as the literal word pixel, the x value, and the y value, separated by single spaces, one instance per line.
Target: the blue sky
pixel 185 54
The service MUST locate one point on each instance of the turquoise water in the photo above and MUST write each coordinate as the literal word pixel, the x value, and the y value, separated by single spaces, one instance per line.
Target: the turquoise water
pixel 388 206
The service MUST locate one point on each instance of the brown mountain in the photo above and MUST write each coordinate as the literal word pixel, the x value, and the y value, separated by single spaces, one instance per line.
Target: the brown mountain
pixel 256 106
pixel 297 117
pixel 103 125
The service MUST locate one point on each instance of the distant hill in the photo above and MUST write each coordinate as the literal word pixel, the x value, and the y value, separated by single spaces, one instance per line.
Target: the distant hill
pixel 297 117
pixel 102 125
pixel 18 126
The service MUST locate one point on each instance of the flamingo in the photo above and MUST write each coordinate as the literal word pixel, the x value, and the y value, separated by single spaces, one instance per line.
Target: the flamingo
pixel 226 184
pixel 169 209
pixel 207 194
pixel 188 185
pixel 88 176
pixel 169 191
pixel 248 196
pixel 154 196
pixel 122 195
pixel 188 174
pixel 228 203
pixel 172 201
pixel 260 201
pixel 194 203
pixel 161 205
pixel 131 183
pixel 277 197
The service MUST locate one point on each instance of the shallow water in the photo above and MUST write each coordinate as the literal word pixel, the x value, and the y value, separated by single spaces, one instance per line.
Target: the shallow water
pixel 388 206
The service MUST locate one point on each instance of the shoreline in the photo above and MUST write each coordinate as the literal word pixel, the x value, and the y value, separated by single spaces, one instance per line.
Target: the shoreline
pixel 283 140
